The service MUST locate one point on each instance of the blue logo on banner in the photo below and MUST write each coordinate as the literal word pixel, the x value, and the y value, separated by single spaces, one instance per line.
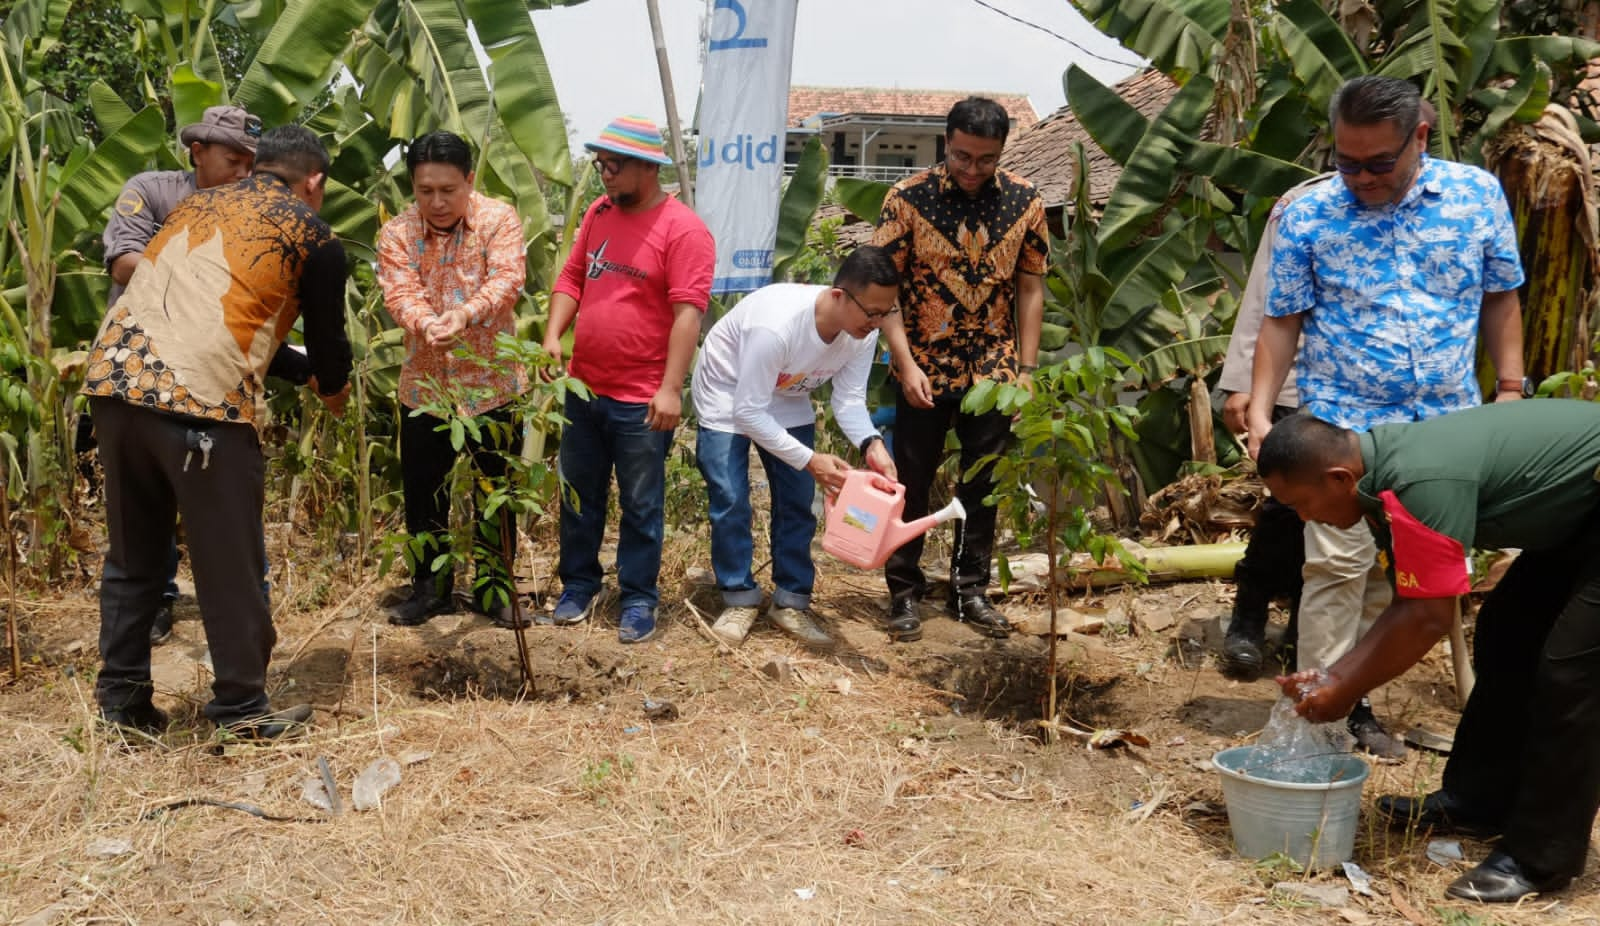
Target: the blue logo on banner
pixel 743 149
pixel 753 259
pixel 737 40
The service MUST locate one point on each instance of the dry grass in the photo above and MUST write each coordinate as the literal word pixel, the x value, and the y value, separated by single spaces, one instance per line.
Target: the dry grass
pixel 879 803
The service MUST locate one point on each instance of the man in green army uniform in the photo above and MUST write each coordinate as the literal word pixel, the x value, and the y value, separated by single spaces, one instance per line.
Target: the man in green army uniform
pixel 1526 760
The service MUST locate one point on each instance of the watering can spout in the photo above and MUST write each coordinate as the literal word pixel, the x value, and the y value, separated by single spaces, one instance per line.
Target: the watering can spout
pixel 955 511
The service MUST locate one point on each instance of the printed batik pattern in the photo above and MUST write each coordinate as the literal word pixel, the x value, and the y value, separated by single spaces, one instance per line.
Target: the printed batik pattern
pixel 959 256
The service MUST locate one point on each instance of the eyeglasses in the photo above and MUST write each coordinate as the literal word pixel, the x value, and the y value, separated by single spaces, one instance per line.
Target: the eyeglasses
pixel 871 315
pixel 963 159
pixel 610 166
pixel 1375 166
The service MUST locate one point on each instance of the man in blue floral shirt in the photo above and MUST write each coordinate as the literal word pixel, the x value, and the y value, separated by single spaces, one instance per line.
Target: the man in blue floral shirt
pixel 1392 274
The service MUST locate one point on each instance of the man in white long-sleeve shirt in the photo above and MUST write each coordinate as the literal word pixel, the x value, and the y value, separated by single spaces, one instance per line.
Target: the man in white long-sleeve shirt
pixel 758 368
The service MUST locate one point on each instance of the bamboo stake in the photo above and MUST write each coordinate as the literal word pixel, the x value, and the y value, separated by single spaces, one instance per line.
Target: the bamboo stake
pixel 685 186
pixel 518 624
pixel 13 631
pixel 1459 658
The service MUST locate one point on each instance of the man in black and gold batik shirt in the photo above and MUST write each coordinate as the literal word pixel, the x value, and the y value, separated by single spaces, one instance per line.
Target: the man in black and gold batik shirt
pixel 175 385
pixel 971 245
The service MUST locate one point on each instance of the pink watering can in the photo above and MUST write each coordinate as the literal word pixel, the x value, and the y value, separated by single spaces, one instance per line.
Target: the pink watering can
pixel 864 525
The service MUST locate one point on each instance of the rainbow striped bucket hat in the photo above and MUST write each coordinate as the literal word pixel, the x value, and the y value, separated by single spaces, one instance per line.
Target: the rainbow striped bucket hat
pixel 633 136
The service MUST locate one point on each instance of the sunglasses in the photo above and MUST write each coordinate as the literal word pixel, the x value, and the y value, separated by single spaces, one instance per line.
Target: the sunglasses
pixel 1375 166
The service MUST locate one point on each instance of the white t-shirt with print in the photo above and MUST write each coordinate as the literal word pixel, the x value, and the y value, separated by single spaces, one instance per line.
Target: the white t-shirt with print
pixel 762 360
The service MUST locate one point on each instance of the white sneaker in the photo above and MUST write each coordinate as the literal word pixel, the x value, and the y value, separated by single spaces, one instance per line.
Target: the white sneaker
pixel 798 624
pixel 733 625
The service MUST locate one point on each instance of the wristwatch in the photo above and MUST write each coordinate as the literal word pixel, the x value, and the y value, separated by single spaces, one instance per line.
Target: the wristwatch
pixel 1523 386
pixel 869 441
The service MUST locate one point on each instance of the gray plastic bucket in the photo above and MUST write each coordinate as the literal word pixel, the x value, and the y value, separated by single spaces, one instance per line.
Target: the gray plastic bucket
pixel 1290 817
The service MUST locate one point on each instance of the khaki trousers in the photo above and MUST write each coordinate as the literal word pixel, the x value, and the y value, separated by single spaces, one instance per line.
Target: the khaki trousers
pixel 1344 592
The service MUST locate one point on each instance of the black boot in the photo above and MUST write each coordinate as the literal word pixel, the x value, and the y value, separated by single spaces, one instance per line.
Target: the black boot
pixel 425 602
pixel 905 620
pixel 1247 628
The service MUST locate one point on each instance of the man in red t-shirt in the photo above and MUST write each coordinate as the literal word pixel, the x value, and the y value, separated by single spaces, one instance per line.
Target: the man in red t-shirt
pixel 637 283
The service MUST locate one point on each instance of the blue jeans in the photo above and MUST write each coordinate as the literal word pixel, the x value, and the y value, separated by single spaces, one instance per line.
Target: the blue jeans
pixel 603 434
pixel 725 462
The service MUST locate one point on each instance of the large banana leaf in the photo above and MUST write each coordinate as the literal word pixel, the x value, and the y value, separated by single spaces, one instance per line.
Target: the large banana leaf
pixel 1145 183
pixel 31 27
pixel 110 111
pixel 298 57
pixel 1318 49
pixel 392 94
pixel 1140 276
pixel 193 94
pixel 799 204
pixel 864 198
pixel 1523 101
pixel 1243 169
pixel 435 37
pixel 353 217
pixel 92 185
pixel 1180 37
pixel 1114 124
pixel 1515 54
pixel 524 93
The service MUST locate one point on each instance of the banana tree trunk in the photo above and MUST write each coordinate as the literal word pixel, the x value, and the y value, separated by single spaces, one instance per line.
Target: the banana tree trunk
pixel 1545 171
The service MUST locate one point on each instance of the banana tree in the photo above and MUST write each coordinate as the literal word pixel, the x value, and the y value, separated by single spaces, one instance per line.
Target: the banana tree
pixel 1485 81
pixel 414 71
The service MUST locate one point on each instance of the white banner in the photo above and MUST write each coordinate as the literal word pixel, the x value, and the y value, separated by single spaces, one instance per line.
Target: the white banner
pixel 744 108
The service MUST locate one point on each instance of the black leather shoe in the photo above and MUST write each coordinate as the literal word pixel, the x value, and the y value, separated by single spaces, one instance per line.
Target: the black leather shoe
pixel 905 623
pixel 1241 648
pixel 161 628
pixel 1499 879
pixel 422 604
pixel 144 718
pixel 974 608
pixel 1439 811
pixel 291 721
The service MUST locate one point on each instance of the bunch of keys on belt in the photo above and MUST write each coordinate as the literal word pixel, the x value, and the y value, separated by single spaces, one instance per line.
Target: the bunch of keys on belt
pixel 201 441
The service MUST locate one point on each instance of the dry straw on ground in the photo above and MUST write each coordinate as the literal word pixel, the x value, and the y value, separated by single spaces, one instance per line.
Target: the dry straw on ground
pixel 910 792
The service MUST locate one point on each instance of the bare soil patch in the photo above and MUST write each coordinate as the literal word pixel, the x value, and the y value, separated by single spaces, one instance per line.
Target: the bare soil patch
pixel 881 784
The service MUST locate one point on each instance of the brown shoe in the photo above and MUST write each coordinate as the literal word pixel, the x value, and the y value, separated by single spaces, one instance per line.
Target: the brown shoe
pixel 798 624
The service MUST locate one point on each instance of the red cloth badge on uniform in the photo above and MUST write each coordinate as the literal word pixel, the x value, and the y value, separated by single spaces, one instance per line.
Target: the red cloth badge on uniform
pixel 1427 564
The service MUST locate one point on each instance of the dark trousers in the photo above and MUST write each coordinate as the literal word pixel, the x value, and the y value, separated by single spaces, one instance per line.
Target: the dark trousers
pixel 1527 749
pixel 1270 567
pixel 83 443
pixel 1273 558
pixel 918 451
pixel 154 471
pixel 426 458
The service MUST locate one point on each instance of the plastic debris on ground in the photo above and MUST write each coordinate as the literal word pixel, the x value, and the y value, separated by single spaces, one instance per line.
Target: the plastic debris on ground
pixel 1446 852
pixel 315 793
pixel 1360 881
pixel 374 780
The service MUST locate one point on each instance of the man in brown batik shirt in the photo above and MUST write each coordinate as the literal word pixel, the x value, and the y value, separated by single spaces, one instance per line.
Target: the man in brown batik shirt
pixel 971 245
